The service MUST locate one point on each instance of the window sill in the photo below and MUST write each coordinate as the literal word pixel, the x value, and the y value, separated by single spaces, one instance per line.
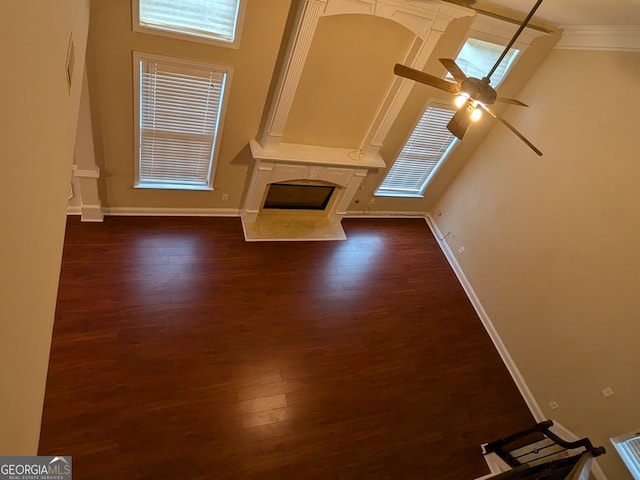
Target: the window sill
pixel 172 187
pixel 398 195
pixel 185 35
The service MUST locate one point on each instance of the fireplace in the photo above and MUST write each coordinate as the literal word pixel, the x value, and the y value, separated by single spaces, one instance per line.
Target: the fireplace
pixel 297 196
pixel 300 192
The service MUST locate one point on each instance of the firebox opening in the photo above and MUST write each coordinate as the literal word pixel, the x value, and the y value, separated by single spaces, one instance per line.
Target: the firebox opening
pixel 298 197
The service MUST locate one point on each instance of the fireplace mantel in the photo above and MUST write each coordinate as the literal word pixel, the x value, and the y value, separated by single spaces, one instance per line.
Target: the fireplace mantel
pixel 343 168
pixel 315 155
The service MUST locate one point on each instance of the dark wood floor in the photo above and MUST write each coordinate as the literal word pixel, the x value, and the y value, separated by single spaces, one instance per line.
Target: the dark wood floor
pixel 182 352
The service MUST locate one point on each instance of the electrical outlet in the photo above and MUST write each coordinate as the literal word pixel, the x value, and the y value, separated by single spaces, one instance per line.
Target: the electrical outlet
pixel 607 392
pixel 461 250
pixel 371 202
pixel 554 405
pixel 225 197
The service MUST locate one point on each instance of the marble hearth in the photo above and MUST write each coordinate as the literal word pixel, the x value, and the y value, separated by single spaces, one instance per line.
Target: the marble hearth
pixel 304 164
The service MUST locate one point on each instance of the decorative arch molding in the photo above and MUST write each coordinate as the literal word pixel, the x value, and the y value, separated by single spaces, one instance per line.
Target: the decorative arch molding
pixel 427 20
pixel 414 16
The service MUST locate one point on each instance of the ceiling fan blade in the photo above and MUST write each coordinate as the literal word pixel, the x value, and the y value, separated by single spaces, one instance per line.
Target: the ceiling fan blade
pixel 427 79
pixel 513 40
pixel 459 123
pixel 454 69
pixel 511 101
pixel 513 129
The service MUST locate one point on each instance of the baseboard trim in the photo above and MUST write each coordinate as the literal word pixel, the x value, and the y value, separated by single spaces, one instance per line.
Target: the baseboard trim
pixel 394 214
pixel 223 212
pixel 486 321
pixel 92 213
pixel 89 213
pixel 171 212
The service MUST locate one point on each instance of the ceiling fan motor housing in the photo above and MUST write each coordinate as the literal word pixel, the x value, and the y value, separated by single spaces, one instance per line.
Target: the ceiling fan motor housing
pixel 479 90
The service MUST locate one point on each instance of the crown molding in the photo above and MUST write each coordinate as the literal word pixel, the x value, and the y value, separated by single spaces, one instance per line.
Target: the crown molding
pixel 622 38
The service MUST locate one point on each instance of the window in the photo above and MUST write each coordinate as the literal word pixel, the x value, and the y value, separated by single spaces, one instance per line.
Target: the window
pixel 213 21
pixel 430 142
pixel 427 147
pixel 477 57
pixel 179 107
pixel 628 447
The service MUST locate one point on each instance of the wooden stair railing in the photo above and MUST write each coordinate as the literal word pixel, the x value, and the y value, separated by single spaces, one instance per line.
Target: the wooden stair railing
pixel 539 454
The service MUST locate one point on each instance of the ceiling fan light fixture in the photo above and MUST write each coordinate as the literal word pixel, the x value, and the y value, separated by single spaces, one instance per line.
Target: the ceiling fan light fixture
pixel 460 100
pixel 472 94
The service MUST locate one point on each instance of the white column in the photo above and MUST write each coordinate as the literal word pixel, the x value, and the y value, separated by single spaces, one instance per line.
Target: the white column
pixel 291 70
pixel 260 177
pixel 86 172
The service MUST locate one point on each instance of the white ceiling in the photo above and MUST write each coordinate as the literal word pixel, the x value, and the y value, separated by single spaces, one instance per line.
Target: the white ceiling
pixel 564 13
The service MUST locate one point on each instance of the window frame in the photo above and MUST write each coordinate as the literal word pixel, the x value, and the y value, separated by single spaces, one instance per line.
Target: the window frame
pixel 480 33
pixel 137 119
pixel 494 41
pixel 193 37
pixel 436 167
pixel 632 463
pixel 500 31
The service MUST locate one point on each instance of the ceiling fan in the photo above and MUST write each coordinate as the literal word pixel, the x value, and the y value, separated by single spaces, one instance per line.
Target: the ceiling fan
pixel 473 94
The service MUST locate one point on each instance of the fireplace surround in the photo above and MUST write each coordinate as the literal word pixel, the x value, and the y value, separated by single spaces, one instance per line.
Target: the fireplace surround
pixel 305 165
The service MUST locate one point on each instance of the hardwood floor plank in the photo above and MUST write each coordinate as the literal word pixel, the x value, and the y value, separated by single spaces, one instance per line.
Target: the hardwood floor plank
pixel 182 352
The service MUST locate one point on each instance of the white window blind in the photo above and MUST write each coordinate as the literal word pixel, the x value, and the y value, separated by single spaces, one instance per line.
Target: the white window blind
pixel 179 118
pixel 477 57
pixel 213 19
pixel 628 446
pixel 425 150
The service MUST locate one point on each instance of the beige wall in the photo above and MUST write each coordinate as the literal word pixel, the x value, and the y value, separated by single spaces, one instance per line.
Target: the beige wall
pixel 37 135
pixel 345 78
pixel 346 74
pixel 109 65
pixel 552 243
